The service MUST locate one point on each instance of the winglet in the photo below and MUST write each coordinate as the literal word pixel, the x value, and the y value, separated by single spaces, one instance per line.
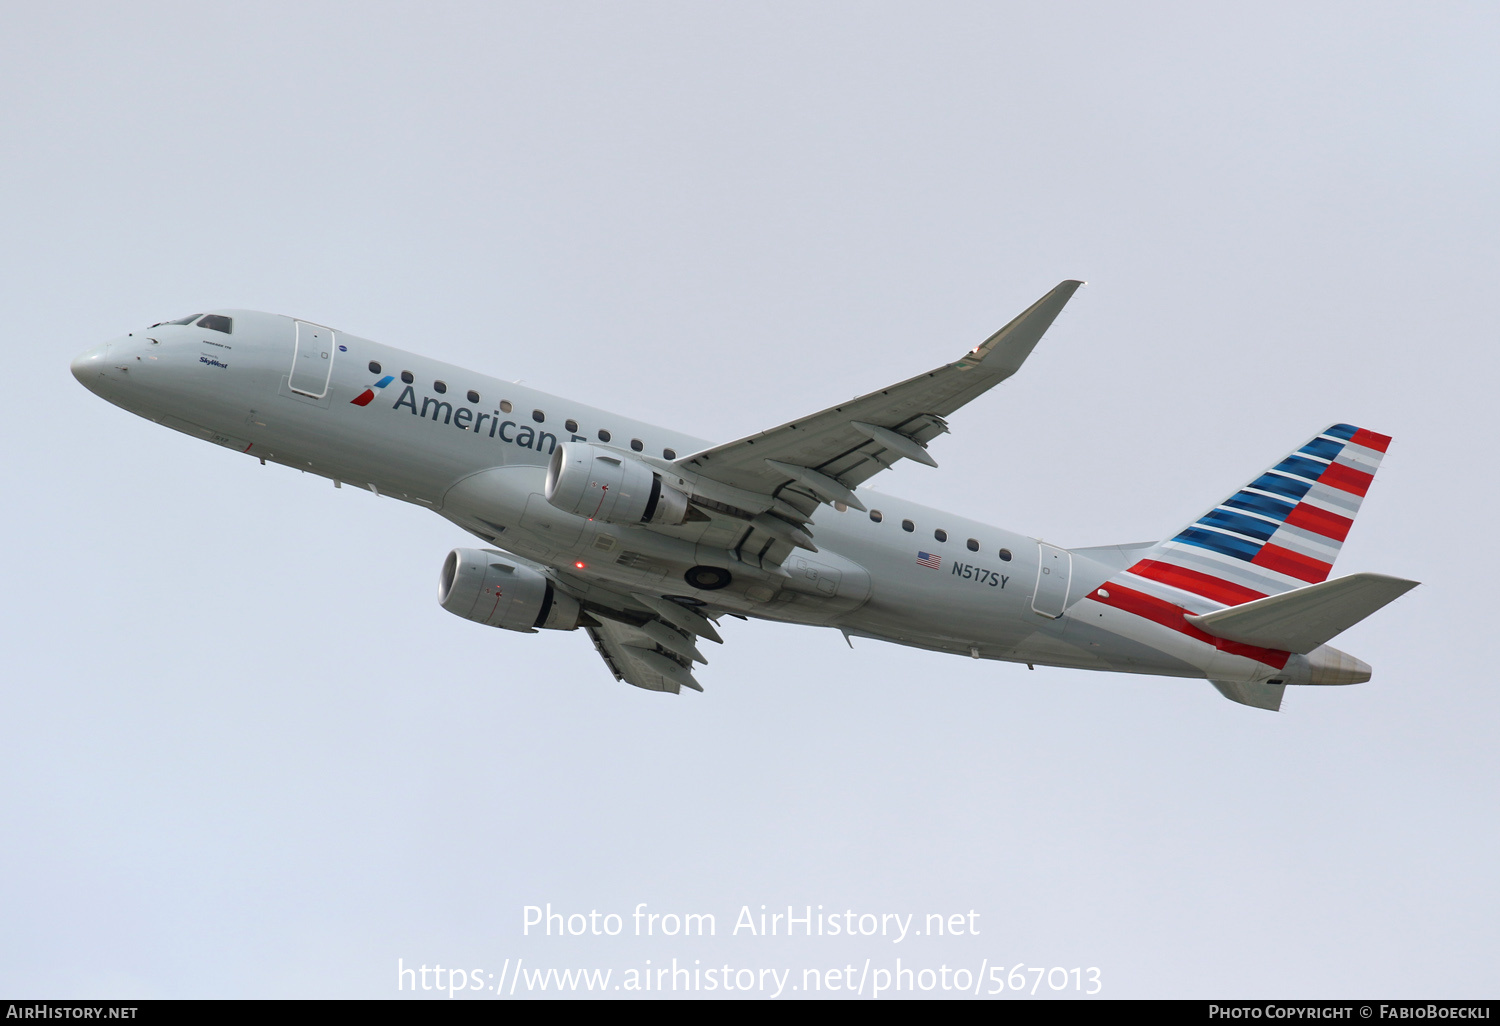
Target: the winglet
pixel 1007 349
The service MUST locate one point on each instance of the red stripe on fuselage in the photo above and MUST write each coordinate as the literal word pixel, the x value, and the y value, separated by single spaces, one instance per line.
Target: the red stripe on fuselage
pixel 1346 479
pixel 1319 521
pixel 1149 607
pixel 1293 564
pixel 1208 586
pixel 363 399
pixel 1371 440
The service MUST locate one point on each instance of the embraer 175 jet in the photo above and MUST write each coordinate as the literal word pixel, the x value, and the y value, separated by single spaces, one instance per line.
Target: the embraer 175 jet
pixel 645 537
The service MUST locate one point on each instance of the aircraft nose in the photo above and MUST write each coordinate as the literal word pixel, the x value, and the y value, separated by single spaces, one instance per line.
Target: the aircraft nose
pixel 88 365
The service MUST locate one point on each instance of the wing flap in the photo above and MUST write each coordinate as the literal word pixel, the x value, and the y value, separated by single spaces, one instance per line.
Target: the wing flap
pixel 637 658
pixel 680 616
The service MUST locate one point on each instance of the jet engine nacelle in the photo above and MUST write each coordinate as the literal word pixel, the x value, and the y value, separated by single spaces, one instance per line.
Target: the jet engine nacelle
pixel 605 484
pixel 500 592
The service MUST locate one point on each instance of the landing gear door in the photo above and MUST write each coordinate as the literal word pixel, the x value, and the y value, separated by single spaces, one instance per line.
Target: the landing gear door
pixel 312 361
pixel 1054 572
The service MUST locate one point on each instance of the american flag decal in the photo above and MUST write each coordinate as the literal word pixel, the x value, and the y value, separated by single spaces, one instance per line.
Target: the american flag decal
pixel 929 560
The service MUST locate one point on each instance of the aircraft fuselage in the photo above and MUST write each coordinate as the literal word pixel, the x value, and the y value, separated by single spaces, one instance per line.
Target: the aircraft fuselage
pixel 475 449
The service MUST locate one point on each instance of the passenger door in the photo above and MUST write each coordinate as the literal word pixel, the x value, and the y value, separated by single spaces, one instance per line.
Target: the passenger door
pixel 312 360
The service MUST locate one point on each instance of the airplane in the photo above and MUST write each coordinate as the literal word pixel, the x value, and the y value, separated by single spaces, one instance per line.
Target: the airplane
pixel 646 538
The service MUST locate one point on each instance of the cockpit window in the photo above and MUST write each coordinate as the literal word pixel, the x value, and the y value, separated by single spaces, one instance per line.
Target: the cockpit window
pixel 217 322
pixel 189 319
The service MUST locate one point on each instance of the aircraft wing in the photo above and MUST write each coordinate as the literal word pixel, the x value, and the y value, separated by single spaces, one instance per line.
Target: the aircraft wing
pixel 824 457
pixel 653 647
pixel 646 640
pixel 635 658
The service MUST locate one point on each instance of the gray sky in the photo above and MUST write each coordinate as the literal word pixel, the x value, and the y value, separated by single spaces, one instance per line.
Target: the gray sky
pixel 247 753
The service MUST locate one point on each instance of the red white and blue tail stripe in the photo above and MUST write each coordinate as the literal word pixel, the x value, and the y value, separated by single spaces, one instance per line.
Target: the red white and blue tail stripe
pixel 1280 532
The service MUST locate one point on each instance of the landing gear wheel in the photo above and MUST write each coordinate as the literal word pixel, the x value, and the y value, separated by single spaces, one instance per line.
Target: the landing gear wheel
pixel 708 578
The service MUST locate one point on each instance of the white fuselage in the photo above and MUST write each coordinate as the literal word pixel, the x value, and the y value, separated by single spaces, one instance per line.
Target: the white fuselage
pixel 477 454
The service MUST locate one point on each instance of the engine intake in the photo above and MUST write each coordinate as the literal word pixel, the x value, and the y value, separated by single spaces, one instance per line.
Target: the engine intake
pixel 605 484
pixel 499 592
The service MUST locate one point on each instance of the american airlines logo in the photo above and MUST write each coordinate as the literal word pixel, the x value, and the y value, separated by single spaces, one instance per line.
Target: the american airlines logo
pixel 441 411
pixel 364 398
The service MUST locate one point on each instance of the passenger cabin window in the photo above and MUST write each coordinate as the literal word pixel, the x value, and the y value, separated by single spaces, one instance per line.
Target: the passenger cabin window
pixel 505 406
pixel 670 454
pixel 637 444
pixel 973 545
pixel 440 387
pixel 217 322
pixel 571 425
pixel 940 534
pixel 1005 555
pixel 603 434
pixel 407 377
pixel 907 525
pixel 538 416
pixel 374 367
pixel 473 396
pixel 876 515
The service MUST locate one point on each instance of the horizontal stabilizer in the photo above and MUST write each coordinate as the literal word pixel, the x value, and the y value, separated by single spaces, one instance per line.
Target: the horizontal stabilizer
pixel 1301 620
pixel 1256 695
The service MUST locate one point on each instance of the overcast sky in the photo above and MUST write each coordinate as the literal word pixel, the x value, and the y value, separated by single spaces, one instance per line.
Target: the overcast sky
pixel 247 754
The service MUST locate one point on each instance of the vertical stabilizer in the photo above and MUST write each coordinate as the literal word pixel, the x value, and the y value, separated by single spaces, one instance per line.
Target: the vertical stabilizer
pixel 1281 531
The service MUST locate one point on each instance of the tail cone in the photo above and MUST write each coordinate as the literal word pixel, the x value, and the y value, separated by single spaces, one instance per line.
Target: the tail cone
pixel 1330 666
